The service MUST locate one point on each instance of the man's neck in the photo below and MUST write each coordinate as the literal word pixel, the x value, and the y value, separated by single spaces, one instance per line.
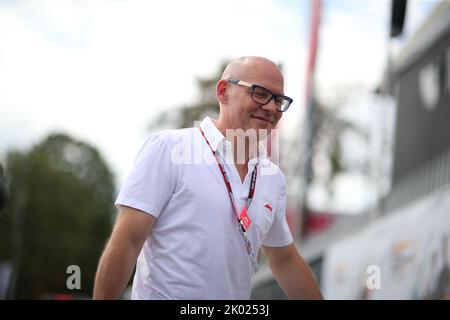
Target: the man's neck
pixel 243 147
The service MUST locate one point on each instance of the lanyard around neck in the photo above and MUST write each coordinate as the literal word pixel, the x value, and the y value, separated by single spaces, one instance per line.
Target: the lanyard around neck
pixel 243 225
pixel 251 191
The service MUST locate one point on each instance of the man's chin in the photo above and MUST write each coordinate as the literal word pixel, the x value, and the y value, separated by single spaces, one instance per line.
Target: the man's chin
pixel 262 132
pixel 261 124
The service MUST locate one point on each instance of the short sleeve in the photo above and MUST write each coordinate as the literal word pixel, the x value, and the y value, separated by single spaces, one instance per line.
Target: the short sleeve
pixel 279 234
pixel 151 182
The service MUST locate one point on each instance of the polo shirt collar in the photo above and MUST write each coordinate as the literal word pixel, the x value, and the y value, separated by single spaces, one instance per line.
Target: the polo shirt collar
pixel 216 139
pixel 214 136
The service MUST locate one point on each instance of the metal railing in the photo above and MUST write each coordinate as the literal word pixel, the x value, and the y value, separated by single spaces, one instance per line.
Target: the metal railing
pixel 432 176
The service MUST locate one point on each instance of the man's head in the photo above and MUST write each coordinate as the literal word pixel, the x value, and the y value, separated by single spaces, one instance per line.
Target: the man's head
pixel 239 108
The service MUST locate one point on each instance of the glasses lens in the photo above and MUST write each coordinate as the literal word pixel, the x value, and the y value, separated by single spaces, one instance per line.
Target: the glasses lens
pixel 284 105
pixel 279 102
pixel 261 95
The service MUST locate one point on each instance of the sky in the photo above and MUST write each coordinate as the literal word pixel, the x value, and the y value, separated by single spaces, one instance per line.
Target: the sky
pixel 102 70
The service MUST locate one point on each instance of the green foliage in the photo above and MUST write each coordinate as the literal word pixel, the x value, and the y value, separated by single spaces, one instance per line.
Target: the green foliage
pixel 328 130
pixel 59 213
pixel 185 116
pixel 3 192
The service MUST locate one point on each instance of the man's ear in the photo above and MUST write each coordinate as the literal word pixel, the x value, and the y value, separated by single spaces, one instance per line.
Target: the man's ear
pixel 222 91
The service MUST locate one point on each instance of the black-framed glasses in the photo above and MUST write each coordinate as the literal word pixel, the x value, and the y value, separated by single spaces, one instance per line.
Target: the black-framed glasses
pixel 263 95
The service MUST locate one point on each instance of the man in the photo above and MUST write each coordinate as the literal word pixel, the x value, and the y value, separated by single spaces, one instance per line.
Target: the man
pixel 195 228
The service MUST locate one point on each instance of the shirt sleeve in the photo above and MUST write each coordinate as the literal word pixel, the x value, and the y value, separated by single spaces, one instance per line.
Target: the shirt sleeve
pixel 151 182
pixel 279 234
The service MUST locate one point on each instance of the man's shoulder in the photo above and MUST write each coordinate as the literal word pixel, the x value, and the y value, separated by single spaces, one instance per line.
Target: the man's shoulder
pixel 170 136
pixel 168 143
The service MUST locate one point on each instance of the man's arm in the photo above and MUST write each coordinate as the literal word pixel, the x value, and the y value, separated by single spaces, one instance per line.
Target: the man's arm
pixel 119 257
pixel 292 273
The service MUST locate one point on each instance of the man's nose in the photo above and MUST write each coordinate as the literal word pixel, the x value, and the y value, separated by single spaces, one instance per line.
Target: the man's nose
pixel 270 106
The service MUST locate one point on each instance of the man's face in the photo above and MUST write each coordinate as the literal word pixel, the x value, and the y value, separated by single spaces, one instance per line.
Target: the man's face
pixel 245 113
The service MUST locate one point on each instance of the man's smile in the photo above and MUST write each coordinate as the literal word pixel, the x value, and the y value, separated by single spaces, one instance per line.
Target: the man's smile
pixel 266 119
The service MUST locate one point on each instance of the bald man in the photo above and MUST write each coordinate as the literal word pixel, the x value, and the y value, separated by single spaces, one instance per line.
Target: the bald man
pixel 199 203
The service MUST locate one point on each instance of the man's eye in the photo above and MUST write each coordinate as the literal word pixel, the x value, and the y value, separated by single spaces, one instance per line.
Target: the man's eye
pixel 261 94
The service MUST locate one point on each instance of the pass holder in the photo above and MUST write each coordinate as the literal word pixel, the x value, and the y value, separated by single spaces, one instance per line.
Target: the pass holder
pixel 245 219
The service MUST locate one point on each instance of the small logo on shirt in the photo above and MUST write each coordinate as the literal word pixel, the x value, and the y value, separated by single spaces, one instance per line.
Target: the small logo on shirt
pixel 268 207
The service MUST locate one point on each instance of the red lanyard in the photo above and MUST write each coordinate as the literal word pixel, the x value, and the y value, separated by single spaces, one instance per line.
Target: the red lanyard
pixel 243 218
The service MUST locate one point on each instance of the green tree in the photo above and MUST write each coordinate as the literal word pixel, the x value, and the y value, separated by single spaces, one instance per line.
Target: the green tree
pixel 185 116
pixel 3 193
pixel 59 213
pixel 328 144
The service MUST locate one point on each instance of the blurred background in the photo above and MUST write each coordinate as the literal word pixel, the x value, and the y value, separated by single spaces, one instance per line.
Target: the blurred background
pixel 365 146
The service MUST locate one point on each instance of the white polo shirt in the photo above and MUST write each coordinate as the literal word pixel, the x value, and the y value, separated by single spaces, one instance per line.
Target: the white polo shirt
pixel 195 249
